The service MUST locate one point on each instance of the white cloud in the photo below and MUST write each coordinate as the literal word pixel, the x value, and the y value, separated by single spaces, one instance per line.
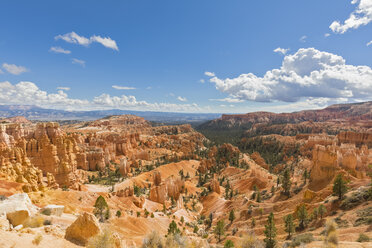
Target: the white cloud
pixel 78 62
pixel 28 93
pixel 362 15
pixel 369 43
pixel 327 34
pixel 1 72
pixel 307 73
pixel 130 102
pixel 227 99
pixel 81 40
pixel 59 50
pixel 209 74
pixel 63 88
pixel 182 99
pixel 14 69
pixel 123 87
pixel 281 50
pixel 303 38
pixel 202 81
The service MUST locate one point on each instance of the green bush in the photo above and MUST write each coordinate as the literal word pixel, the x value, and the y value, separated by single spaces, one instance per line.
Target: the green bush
pixel 363 238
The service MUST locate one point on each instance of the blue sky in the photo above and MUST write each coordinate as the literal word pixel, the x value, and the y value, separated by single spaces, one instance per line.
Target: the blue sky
pixel 157 54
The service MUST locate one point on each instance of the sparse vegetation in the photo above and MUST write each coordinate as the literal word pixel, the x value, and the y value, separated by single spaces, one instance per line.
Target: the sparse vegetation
pixel 37 239
pixel 270 232
pixel 339 186
pixel 106 239
pixel 363 238
pixel 303 238
pixel 101 209
pixel 219 229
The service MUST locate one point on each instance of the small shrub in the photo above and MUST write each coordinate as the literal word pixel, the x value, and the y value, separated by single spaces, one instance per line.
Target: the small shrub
pixel 33 222
pixel 153 240
pixel 37 239
pixel 46 211
pixel 363 238
pixel 251 241
pixel 47 222
pixel 228 244
pixel 303 238
pixel 104 240
pixel 331 237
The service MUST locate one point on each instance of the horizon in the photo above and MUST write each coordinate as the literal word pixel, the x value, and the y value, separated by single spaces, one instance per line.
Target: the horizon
pixel 184 57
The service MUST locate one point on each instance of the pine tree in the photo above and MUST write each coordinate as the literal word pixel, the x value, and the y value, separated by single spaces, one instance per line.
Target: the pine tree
pixel 219 229
pixel 302 216
pixel 270 232
pixel 289 225
pixel 286 182
pixel 315 214
pixel 173 229
pixel 258 196
pixel 305 176
pixel 101 209
pixel 339 186
pixel 321 211
pixel 231 216
pixel 253 223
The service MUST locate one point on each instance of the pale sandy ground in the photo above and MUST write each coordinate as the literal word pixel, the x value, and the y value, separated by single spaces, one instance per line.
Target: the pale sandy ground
pixel 24 240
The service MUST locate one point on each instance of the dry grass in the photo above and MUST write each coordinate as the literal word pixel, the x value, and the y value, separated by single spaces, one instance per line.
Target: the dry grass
pixel 37 240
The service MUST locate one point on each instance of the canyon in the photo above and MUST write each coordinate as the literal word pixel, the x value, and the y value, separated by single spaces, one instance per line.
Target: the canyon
pixel 152 175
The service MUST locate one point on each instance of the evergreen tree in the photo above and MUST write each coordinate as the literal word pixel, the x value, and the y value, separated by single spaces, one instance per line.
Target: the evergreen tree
pixel 322 210
pixel 305 176
pixel 286 182
pixel 314 215
pixel 258 196
pixel 302 216
pixel 339 186
pixel 231 216
pixel 173 229
pixel 289 225
pixel 253 222
pixel 270 232
pixel 219 229
pixel 101 209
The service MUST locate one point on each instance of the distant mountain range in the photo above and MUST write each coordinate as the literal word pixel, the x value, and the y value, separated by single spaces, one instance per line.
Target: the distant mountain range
pixel 37 113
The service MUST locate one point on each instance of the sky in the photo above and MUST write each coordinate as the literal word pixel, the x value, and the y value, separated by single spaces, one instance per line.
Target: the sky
pixel 210 56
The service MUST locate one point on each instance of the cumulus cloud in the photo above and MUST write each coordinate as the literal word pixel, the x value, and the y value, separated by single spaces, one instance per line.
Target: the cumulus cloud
pixel 362 15
pixel 202 81
pixel 28 93
pixel 14 69
pixel 209 74
pixel 123 87
pixel 327 34
pixel 182 99
pixel 78 62
pixel 59 50
pixel 63 88
pixel 84 41
pixel 307 73
pixel 281 50
pixel 369 43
